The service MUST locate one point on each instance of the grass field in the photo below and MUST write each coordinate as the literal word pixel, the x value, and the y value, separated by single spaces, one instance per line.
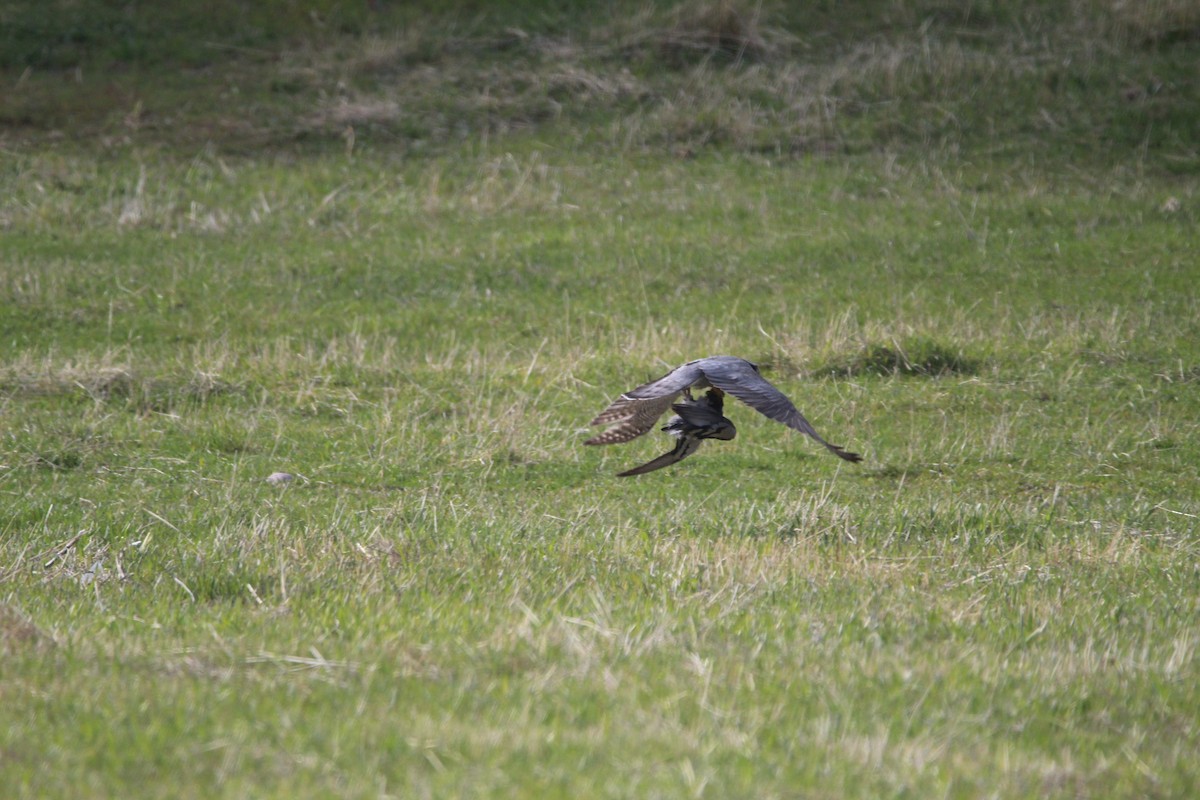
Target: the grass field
pixel 407 254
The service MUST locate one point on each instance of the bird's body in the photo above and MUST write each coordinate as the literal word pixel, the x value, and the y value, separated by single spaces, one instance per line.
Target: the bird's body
pixel 635 412
pixel 695 421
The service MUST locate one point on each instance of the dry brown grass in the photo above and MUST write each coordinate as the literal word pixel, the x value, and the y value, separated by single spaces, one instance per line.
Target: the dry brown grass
pixel 18 634
pixel 733 74
pixel 1153 22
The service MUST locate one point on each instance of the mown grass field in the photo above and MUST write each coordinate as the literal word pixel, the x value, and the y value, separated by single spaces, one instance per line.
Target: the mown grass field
pixel 407 254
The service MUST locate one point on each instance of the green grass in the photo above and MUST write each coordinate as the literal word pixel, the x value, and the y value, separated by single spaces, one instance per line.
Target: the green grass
pixel 963 243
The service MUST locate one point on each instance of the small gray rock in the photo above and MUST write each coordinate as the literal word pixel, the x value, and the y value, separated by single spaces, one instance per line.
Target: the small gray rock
pixel 276 478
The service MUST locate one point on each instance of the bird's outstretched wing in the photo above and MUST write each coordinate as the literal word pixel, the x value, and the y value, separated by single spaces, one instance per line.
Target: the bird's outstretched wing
pixel 636 411
pixel 741 379
pixel 684 447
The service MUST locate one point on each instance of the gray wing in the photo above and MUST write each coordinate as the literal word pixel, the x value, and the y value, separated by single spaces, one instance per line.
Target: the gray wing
pixel 684 447
pixel 740 379
pixel 636 411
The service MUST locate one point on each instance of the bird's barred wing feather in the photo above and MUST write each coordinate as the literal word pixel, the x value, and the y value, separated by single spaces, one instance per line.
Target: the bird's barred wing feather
pixel 636 418
pixel 744 383
pixel 636 411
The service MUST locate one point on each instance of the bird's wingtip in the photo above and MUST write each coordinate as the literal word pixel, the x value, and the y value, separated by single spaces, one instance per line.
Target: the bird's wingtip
pixel 642 470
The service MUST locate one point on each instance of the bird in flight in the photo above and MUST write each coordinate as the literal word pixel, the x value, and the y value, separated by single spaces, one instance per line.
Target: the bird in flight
pixel 635 412
pixel 694 421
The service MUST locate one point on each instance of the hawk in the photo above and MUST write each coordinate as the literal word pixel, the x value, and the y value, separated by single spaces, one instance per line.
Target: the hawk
pixel 695 421
pixel 635 412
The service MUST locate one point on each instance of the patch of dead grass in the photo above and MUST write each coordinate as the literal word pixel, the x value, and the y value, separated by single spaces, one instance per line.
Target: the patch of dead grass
pixel 729 73
pixel 1153 22
pixel 105 380
pixel 18 633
